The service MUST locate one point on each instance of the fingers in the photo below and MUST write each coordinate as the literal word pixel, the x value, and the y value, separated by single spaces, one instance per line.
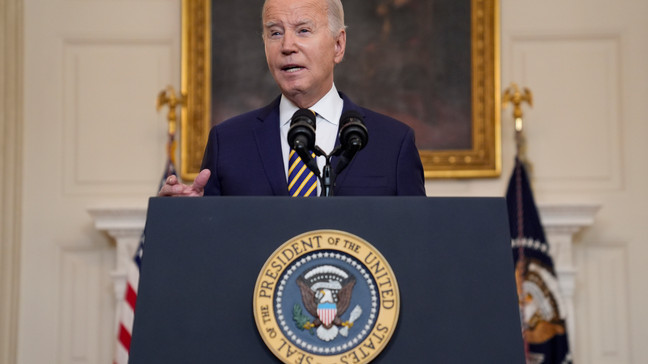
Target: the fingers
pixel 172 180
pixel 172 187
pixel 201 180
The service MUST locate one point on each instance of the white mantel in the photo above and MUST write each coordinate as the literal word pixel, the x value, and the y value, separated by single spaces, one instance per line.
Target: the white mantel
pixel 561 222
pixel 125 225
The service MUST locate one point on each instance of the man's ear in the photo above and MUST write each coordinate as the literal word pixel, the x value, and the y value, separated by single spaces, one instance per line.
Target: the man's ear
pixel 340 46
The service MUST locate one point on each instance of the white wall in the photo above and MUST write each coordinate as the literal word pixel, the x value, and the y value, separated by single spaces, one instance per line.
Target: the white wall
pixel 91 136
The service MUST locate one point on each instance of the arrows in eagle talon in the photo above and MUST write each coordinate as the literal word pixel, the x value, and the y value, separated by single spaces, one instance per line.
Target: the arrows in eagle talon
pixel 357 311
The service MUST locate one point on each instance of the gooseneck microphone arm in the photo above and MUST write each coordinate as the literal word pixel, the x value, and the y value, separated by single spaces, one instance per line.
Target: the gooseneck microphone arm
pixel 327 180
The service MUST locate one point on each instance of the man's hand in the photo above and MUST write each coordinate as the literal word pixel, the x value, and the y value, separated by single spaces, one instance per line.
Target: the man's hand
pixel 174 188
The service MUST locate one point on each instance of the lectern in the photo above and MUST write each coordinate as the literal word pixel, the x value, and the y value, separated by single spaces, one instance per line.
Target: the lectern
pixel 451 257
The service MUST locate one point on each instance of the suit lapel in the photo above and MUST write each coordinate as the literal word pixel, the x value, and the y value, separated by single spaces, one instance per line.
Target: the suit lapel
pixel 268 139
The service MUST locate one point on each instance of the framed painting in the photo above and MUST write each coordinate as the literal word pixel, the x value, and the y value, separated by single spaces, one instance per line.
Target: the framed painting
pixel 433 64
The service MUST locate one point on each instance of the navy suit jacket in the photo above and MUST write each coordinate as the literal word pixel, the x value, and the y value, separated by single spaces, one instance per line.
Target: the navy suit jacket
pixel 244 156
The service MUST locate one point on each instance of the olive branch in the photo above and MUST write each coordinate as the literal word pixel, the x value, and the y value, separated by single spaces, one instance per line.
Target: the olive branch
pixel 300 319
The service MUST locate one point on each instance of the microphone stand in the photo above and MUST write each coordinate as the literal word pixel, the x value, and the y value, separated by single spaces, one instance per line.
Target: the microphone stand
pixel 327 179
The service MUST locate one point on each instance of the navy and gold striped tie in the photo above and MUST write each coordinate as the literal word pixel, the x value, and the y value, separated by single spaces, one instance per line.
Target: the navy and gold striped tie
pixel 301 180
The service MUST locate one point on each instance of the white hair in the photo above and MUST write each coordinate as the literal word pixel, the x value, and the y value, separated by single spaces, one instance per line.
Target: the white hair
pixel 335 16
pixel 335 12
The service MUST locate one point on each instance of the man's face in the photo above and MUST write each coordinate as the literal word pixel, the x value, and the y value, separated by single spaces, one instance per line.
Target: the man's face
pixel 300 49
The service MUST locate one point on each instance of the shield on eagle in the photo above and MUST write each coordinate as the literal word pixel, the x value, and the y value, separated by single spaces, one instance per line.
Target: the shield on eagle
pixel 326 312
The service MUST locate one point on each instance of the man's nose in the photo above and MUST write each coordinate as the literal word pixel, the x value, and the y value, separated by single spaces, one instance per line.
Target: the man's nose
pixel 289 43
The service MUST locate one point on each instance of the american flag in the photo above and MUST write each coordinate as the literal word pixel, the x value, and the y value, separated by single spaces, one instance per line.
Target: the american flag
pixel 542 311
pixel 127 306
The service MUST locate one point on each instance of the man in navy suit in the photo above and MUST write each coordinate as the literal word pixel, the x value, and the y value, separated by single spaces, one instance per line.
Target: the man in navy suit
pixel 248 154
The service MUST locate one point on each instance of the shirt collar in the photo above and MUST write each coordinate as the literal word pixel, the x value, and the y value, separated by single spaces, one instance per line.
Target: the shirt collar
pixel 326 107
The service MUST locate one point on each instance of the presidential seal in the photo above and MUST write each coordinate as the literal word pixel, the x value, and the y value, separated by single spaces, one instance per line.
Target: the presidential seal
pixel 326 297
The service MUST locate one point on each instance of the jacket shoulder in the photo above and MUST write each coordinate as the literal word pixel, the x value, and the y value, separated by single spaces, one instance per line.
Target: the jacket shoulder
pixel 249 118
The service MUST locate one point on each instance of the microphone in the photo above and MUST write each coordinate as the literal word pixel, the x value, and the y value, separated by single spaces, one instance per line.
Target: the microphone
pixel 353 137
pixel 301 137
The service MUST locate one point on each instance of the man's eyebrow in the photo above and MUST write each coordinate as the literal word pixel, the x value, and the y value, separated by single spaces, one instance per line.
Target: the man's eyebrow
pixel 303 22
pixel 270 24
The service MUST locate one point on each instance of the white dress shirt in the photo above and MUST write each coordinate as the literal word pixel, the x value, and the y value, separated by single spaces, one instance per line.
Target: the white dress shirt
pixel 329 111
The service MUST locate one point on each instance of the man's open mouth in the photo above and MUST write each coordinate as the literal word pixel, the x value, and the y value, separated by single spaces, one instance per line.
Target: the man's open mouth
pixel 292 68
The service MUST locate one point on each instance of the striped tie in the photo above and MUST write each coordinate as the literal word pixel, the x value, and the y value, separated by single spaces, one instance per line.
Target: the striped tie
pixel 301 180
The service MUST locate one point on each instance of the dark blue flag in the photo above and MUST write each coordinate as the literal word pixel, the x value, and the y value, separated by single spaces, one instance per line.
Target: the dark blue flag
pixel 542 311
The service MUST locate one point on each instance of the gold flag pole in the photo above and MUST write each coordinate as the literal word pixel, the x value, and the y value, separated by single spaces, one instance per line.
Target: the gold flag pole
pixel 514 96
pixel 168 97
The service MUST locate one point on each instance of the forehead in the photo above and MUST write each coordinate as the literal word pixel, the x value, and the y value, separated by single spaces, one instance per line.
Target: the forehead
pixel 294 11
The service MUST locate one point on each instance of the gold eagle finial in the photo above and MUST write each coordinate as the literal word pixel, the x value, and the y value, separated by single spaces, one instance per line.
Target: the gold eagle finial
pixel 168 97
pixel 517 98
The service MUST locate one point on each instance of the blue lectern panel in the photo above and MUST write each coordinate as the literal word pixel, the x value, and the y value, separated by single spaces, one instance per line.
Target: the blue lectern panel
pixel 451 257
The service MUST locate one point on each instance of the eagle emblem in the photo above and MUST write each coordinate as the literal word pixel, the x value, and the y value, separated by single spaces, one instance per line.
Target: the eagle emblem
pixel 326 292
pixel 317 300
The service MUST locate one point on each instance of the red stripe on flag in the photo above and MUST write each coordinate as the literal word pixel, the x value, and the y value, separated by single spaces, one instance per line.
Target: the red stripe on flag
pixel 131 296
pixel 124 337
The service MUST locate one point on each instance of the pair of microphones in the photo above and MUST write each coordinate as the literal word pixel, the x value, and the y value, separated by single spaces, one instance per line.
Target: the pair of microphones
pixel 353 137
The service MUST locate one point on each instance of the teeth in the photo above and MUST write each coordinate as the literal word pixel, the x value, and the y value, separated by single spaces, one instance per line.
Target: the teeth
pixel 292 69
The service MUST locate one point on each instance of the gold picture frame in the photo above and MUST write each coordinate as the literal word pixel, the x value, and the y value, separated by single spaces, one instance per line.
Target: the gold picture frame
pixel 481 159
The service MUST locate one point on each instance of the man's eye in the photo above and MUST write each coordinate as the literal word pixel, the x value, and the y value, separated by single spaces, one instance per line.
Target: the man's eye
pixel 304 30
